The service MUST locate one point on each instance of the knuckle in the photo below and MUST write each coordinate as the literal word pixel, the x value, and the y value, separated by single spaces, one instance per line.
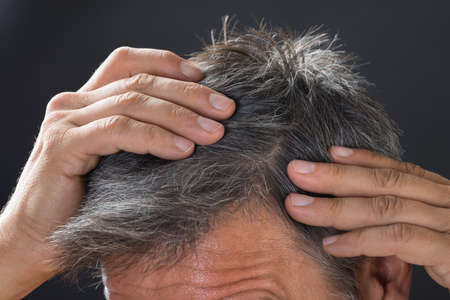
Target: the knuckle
pixel 383 207
pixel 152 133
pixel 120 54
pixel 167 55
pixel 60 101
pixel 139 81
pixel 154 137
pixel 180 113
pixel 400 233
pixel 336 207
pixel 335 171
pixel 53 138
pixel 53 117
pixel 386 178
pixel 191 89
pixel 359 236
pixel 127 99
pixel 413 169
pixel 115 124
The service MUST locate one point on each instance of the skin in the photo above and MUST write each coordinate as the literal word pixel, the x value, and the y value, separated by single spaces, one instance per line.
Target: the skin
pixel 147 101
pixel 239 259
pixel 389 208
pixel 149 112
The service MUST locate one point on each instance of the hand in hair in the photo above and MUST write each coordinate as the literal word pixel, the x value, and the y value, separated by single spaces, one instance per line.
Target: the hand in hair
pixel 389 208
pixel 139 100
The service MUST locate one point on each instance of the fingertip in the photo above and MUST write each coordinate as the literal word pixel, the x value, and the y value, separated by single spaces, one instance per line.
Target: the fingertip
pixel 207 138
pixel 337 245
pixel 288 202
pixel 327 241
pixel 224 106
pixel 183 154
pixel 290 166
pixel 191 70
pixel 232 108
pixel 184 145
pixel 290 170
pixel 340 152
pixel 294 176
pixel 189 152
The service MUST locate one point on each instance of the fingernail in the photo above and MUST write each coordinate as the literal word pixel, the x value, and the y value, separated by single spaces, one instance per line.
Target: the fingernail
pixel 208 125
pixel 330 239
pixel 341 151
pixel 301 200
pixel 189 70
pixel 303 167
pixel 220 102
pixel 183 144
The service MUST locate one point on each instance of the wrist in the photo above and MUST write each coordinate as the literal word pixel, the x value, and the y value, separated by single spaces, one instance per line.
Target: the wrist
pixel 24 263
pixel 27 249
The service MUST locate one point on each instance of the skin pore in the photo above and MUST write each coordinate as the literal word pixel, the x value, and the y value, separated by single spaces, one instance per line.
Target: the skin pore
pixel 240 258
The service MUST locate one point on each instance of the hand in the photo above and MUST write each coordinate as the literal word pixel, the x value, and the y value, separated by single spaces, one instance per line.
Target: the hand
pixel 129 104
pixel 388 208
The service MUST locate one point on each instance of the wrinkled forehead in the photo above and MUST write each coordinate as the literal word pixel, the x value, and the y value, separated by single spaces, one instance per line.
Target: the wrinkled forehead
pixel 238 259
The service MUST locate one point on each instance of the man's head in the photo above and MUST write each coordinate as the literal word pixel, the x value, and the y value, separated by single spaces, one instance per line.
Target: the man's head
pixel 214 225
pixel 242 257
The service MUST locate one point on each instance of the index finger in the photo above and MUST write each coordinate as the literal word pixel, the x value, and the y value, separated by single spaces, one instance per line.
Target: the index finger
pixel 366 158
pixel 356 181
pixel 126 61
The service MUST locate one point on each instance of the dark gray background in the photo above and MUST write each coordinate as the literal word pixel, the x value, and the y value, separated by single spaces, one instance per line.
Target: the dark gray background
pixel 52 46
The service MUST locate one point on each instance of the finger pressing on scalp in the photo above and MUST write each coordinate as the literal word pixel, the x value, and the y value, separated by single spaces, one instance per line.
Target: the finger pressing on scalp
pixel 354 212
pixel 366 158
pixel 126 61
pixel 411 243
pixel 356 181
pixel 109 135
pixel 164 114
pixel 192 95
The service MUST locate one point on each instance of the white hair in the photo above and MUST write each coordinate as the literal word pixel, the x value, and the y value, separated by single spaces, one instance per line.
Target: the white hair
pixel 296 96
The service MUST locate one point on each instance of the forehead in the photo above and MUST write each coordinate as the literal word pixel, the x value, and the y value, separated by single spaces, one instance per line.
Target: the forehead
pixel 239 259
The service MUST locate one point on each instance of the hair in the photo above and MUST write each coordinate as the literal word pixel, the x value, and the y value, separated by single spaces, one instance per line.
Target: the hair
pixel 296 95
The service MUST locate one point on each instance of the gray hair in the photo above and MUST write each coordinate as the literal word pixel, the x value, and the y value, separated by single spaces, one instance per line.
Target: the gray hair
pixel 296 96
